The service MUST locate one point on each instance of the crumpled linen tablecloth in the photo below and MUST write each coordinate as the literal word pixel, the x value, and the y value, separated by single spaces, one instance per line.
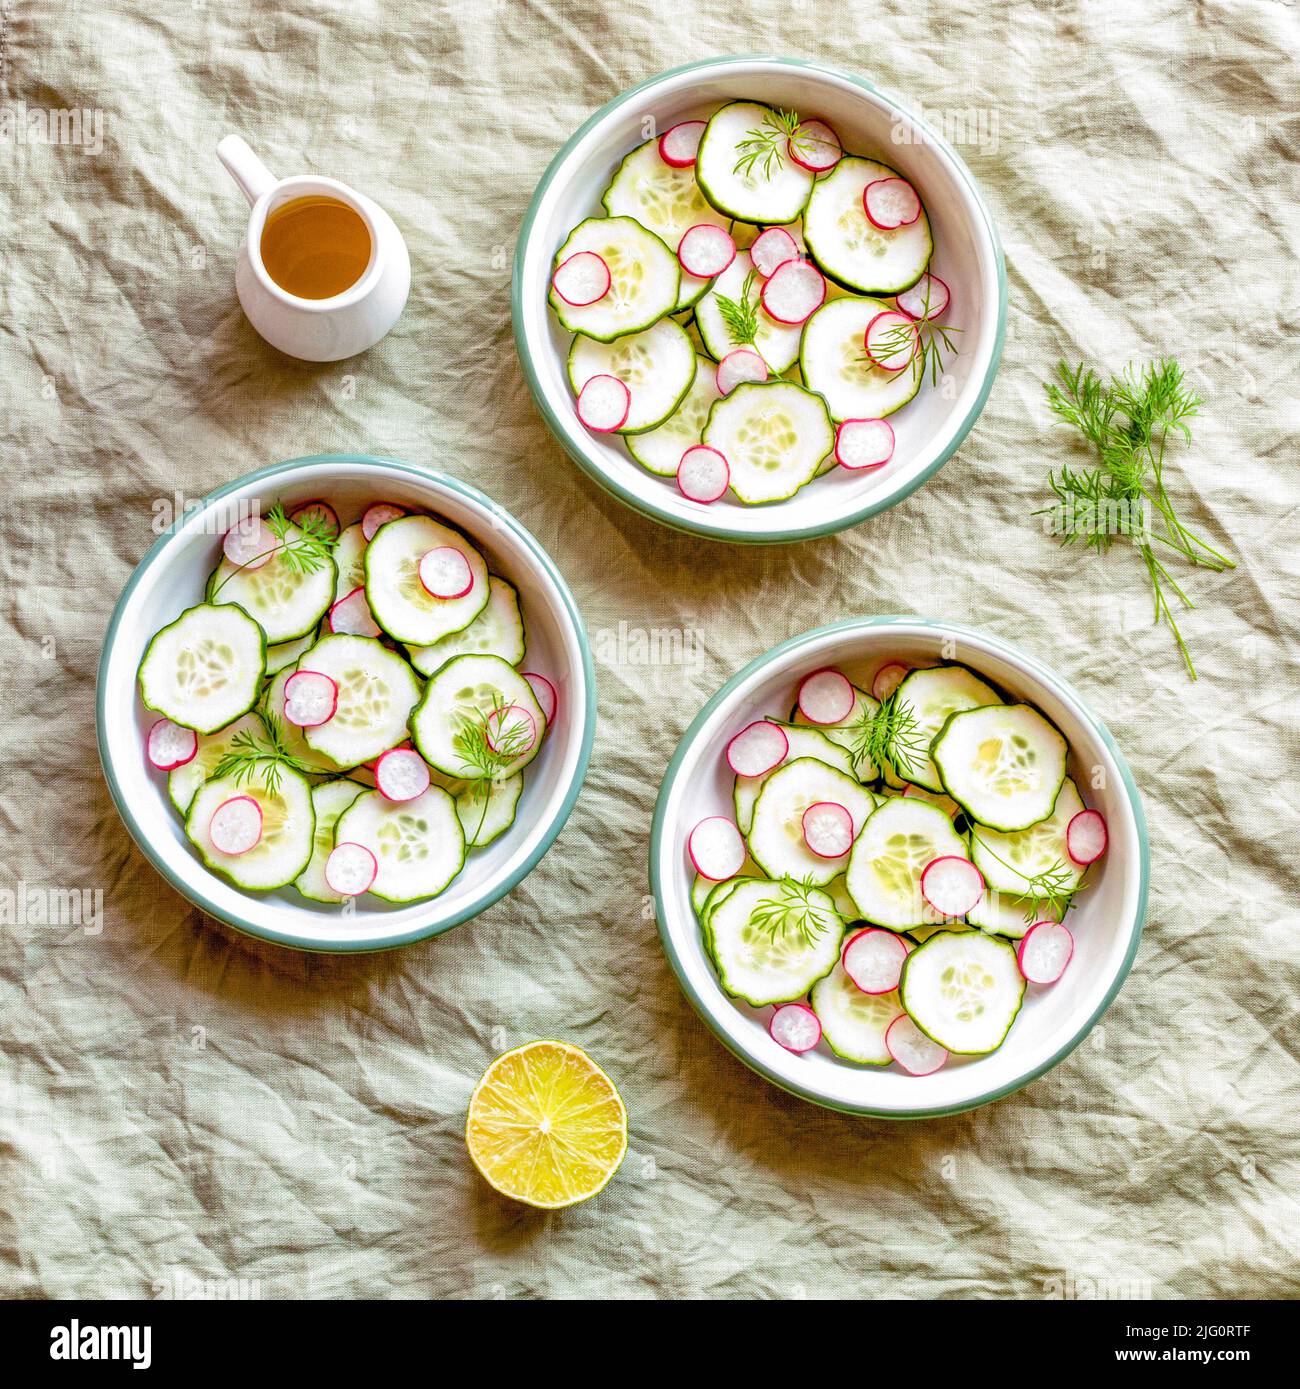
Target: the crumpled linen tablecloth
pixel 183 1110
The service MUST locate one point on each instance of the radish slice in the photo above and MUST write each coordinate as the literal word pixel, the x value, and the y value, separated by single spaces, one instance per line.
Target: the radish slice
pixel 874 959
pixel 310 698
pixel 927 298
pixel 796 1027
pixel 705 250
pixel 716 849
pixel 377 516
pixel 891 203
pixel 888 349
pixel 825 697
pixel 250 543
pixel 1086 837
pixel 1044 952
pixel 350 869
pixel 863 444
pixel 916 1053
pixel 744 364
pixel 888 679
pixel 322 512
pixel 582 279
pixel 510 730
pixel 236 826
pixel 603 404
pixel 168 745
pixel 757 749
pixel 545 695
pixel 952 885
pixel 401 774
pixel 704 474
pixel 818 147
pixel 828 829
pixel 772 248
pixel 678 145
pixel 445 572
pixel 351 616
pixel 793 292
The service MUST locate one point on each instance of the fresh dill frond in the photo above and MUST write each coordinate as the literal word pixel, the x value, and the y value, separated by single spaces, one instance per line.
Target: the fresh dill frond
pixel 481 760
pixel 770 142
pixel 793 911
pixel 302 547
pixel 741 315
pixel 250 757
pixel 1054 888
pixel 888 736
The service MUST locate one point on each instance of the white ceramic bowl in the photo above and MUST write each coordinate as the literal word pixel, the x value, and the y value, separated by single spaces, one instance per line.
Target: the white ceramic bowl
pixel 171 577
pixel 1106 919
pixel 967 256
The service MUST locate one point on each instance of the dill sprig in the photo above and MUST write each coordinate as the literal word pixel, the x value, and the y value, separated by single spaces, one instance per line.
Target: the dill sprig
pixel 770 141
pixel 794 911
pixel 482 761
pixel 302 547
pixel 921 343
pixel 1054 887
pixel 741 315
pixel 889 736
pixel 250 757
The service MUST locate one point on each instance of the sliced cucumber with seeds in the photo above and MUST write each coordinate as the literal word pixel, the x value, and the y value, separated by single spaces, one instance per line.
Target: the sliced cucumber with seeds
pixel 834 361
pixel 853 1023
pixel 377 692
pixel 449 725
pixel 288 826
pixel 400 603
pixel 285 601
pixel 645 279
pixel 767 192
pixel 776 836
pixel 848 247
pixel 933 695
pixel 184 781
pixel 884 874
pixel 497 631
pixel 777 343
pixel 660 449
pixel 350 560
pixel 963 989
pixel 803 742
pixel 1003 764
pixel 486 807
pixel 205 669
pixel 418 845
pixel 271 707
pixel 657 366
pixel 329 800
pixel 845 733
pixel 773 435
pixel 1013 862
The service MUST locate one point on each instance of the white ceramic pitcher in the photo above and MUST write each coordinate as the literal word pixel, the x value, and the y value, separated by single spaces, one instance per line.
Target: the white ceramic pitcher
pixel 316 330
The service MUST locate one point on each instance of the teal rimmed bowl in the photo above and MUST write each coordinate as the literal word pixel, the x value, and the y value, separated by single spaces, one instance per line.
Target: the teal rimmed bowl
pixel 968 257
pixel 171 577
pixel 1106 921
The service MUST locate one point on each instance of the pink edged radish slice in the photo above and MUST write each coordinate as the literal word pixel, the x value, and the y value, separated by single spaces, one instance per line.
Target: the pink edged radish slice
pixel 378 515
pixel 744 364
pixel 927 298
pixel 816 147
pixel 168 746
pixel 705 250
pixel 771 249
pixel 874 959
pixel 793 292
pixel 891 340
pixel 952 885
pixel 603 404
pixel 401 774
pixel 545 695
pixel 582 279
pixel 828 829
pixel 351 869
pixel 863 444
pixel 250 543
pixel 351 616
pixel 322 513
pixel 236 826
pixel 757 749
pixel 1044 952
pixel 310 698
pixel 704 474
pixel 916 1053
pixel 1086 837
pixel 678 145
pixel 887 680
pixel 825 697
pixel 891 203
pixel 796 1027
pixel 510 730
pixel 716 849
pixel 445 572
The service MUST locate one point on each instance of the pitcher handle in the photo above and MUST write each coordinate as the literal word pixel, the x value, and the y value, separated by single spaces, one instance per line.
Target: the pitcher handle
pixel 253 177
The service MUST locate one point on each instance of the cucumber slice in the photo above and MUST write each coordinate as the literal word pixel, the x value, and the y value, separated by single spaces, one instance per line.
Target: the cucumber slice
pixel 1004 764
pixel 921 934
pixel 271 709
pixel 804 742
pixel 769 195
pixel 184 782
pixel 1011 862
pixel 764 965
pixel 657 366
pixel 204 670
pixel 844 733
pixel 702 888
pixel 486 808
pixel 401 604
pixel 645 279
pixel 884 876
pixel 773 435
pixel 660 450
pixel 777 343
pixel 963 989
pixel 776 840
pixel 835 364
pixel 418 845
pixel 286 602
pixel 497 631
pixel 286 654
pixel 933 695
pixel 329 800
pixel 288 826
pixel 350 560
pixel 666 201
pixel 447 727
pixel 853 1023
pixel 1004 914
pixel 846 245
pixel 377 691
